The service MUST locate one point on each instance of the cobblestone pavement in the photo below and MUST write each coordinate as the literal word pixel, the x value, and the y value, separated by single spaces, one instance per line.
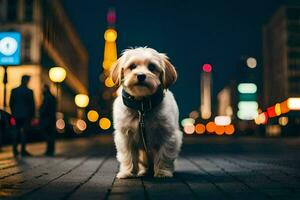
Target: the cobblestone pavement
pixel 208 168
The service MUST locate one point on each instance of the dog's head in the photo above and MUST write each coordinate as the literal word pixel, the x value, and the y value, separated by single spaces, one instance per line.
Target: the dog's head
pixel 142 70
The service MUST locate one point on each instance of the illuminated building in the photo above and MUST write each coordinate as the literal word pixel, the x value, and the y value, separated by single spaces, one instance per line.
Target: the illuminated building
pixel 206 91
pixel 48 39
pixel 281 61
pixel 225 102
pixel 281 56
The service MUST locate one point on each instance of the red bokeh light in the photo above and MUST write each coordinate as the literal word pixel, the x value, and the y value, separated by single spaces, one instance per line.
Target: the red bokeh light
pixel 111 17
pixel 12 121
pixel 207 67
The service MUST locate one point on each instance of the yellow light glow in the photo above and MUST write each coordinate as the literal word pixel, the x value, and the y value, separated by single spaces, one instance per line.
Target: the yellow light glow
pixel 222 120
pixel 81 125
pixel 189 129
pixel 251 62
pixel 110 54
pixel 277 109
pixel 92 116
pixel 294 103
pixel 256 120
pixel 283 121
pixel 104 123
pixel 82 100
pixel 110 35
pixel 15 74
pixel 109 82
pixel 57 74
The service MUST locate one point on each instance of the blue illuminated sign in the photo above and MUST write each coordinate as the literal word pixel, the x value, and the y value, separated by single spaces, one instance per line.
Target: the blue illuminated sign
pixel 10 48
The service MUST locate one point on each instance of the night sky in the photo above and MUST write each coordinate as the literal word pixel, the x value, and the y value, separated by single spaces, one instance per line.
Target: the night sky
pixel 190 32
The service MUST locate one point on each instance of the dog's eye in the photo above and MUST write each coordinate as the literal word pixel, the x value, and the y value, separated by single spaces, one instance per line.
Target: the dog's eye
pixel 132 66
pixel 151 67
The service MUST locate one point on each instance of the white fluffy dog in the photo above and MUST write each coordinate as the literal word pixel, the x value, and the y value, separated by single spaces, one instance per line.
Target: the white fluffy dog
pixel 147 134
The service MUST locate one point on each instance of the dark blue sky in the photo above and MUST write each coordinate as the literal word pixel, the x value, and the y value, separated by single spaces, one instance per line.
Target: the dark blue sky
pixel 191 32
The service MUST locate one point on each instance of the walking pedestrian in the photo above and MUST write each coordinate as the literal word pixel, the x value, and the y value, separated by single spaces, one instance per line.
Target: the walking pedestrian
pixel 48 119
pixel 23 110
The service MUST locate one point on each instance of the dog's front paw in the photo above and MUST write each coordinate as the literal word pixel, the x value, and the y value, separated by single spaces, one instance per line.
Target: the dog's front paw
pixel 122 175
pixel 142 173
pixel 163 174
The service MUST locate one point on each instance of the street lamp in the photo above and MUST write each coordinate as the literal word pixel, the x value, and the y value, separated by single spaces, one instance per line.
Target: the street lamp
pixel 81 101
pixel 57 75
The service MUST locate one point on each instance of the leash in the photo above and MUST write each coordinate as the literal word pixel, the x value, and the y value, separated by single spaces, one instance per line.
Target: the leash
pixel 142 107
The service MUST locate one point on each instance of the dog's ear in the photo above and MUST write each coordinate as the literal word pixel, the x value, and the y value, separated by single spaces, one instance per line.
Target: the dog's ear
pixel 115 73
pixel 170 74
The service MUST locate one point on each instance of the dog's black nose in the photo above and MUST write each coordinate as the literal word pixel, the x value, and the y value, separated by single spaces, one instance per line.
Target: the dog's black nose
pixel 141 77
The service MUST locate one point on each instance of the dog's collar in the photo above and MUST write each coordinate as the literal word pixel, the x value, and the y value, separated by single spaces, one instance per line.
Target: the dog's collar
pixel 146 104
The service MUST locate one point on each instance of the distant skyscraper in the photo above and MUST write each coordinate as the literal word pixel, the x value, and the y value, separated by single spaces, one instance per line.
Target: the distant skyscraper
pixel 281 55
pixel 281 62
pixel 206 87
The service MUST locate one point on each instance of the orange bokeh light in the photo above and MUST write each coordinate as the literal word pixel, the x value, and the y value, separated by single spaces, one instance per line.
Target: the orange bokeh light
pixel 200 128
pixel 229 130
pixel 284 107
pixel 220 130
pixel 210 127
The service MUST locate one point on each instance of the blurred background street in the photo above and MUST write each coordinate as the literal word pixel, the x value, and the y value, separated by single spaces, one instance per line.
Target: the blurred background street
pixel 238 92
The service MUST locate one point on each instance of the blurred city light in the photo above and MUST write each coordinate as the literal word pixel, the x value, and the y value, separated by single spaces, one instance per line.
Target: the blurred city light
pixel 222 120
pixel 194 114
pixel 251 62
pixel 92 116
pixel 82 100
pixel 111 16
pixel 283 121
pixel 247 88
pixel 207 67
pixel 187 121
pixel 189 129
pixel 284 107
pixel 205 92
pixel 229 130
pixel 210 127
pixel 293 103
pixel 263 118
pixel 109 82
pixel 271 111
pixel 57 74
pixel 247 114
pixel 248 105
pixel 200 129
pixel 110 35
pixel 104 123
pixel 220 130
pixel 277 109
pixel 60 124
pixel 81 125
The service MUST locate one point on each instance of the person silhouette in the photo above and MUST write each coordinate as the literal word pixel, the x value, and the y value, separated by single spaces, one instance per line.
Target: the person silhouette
pixel 47 119
pixel 23 110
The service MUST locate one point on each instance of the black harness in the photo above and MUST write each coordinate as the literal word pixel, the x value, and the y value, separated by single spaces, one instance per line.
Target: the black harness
pixel 143 106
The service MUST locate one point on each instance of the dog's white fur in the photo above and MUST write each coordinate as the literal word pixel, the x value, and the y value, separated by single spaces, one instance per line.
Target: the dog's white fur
pixel 161 124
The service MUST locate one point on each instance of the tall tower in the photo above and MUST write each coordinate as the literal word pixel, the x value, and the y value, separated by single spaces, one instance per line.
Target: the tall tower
pixel 206 91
